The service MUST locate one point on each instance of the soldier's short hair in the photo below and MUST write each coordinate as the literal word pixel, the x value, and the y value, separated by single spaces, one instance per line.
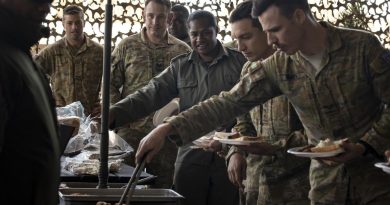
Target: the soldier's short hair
pixel 201 14
pixel 287 7
pixel 243 11
pixel 166 3
pixel 182 10
pixel 73 9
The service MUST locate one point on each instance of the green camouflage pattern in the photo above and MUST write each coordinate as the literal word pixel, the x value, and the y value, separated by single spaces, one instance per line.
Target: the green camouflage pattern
pixel 135 61
pixel 74 76
pixel 280 178
pixel 345 99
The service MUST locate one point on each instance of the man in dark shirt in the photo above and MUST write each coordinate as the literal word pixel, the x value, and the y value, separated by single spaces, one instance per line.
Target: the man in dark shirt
pixel 201 177
pixel 29 148
pixel 178 24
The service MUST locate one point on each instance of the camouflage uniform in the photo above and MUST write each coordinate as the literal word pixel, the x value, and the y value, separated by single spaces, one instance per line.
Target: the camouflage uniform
pixel 75 75
pixel 281 178
pixel 345 99
pixel 135 61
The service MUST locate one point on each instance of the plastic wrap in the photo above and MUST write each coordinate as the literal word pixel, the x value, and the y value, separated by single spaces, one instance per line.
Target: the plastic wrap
pixel 83 150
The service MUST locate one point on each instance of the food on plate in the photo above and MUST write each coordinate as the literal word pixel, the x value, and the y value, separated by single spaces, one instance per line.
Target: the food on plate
pixel 234 136
pixel 326 145
pixel 225 136
pixel 306 148
pixel 248 138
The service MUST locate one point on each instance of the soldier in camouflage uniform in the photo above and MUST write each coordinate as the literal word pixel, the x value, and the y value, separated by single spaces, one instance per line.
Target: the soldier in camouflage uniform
pixel 74 64
pixel 135 61
pixel 339 93
pixel 200 176
pixel 278 177
pixel 178 24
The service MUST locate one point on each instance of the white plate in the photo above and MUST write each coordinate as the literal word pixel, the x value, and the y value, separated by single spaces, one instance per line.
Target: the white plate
pixel 235 142
pixel 168 110
pixel 295 151
pixel 202 141
pixel 384 166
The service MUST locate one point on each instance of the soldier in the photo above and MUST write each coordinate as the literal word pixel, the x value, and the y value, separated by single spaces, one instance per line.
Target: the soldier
pixel 275 177
pixel 29 146
pixel 178 24
pixel 135 61
pixel 201 177
pixel 337 81
pixel 74 64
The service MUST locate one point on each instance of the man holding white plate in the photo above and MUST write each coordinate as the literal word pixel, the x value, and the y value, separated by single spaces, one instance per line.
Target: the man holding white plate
pixel 337 81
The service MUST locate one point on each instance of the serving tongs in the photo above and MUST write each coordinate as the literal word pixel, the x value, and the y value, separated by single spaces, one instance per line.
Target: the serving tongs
pixel 130 188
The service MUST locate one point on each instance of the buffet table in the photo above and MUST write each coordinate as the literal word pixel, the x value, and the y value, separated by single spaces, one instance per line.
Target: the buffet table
pixel 123 176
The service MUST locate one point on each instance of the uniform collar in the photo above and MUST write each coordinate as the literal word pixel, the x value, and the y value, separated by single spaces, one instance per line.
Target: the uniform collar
pixel 144 38
pixel 87 43
pixel 333 43
pixel 194 56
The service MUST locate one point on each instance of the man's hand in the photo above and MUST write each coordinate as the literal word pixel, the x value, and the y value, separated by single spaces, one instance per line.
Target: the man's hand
pixel 387 154
pixel 261 148
pixel 237 169
pixel 152 143
pixel 351 151
pixel 213 146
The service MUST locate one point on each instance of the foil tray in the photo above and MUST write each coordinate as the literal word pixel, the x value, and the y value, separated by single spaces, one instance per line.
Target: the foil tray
pixel 89 196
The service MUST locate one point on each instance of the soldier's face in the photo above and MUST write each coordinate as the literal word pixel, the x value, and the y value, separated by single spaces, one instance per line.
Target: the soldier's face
pixel 282 32
pixel 203 36
pixel 178 25
pixel 251 41
pixel 74 26
pixel 156 19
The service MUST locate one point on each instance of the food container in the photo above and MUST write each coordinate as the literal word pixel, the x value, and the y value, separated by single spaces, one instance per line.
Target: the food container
pixel 89 196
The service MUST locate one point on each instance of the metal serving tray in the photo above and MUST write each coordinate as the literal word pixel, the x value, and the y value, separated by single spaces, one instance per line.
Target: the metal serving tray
pixel 89 196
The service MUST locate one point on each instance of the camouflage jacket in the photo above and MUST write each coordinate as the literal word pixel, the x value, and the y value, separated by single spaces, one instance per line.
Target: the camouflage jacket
pixel 281 177
pixel 135 61
pixel 345 99
pixel 73 77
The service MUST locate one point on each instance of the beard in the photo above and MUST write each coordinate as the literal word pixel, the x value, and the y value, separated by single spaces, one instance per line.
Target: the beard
pixel 20 30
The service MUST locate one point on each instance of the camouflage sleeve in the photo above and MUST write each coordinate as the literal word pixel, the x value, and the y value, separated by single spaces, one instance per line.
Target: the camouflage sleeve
pixel 245 126
pixel 44 61
pixel 244 122
pixel 157 93
pixel 253 89
pixel 379 68
pixel 117 76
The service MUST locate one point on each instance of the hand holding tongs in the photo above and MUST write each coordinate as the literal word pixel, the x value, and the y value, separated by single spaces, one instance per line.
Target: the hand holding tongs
pixel 129 191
